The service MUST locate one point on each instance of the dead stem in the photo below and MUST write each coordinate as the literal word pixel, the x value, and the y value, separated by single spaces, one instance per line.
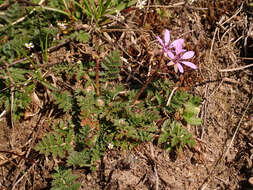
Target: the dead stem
pixel 236 69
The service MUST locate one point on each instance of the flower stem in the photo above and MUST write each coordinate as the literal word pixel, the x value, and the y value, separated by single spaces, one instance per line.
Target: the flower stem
pixel 154 73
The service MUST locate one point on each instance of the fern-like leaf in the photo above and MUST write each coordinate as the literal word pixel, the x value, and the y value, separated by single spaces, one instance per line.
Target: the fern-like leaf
pixel 64 180
pixel 56 144
pixel 111 65
pixel 64 100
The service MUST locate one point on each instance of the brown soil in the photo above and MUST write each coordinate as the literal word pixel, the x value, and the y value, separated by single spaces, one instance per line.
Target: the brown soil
pixel 220 32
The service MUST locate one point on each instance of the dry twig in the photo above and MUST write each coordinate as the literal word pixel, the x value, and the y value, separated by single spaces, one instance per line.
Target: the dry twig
pixel 236 69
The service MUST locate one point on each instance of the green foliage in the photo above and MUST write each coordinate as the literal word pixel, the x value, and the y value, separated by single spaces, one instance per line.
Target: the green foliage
pixel 175 136
pixel 71 72
pixel 111 65
pixel 81 159
pixel 111 118
pixel 58 143
pixel 20 101
pixel 178 100
pixel 130 124
pixel 22 89
pixel 80 36
pixel 64 100
pixel 192 110
pixel 99 11
pixel 40 31
pixel 94 119
pixel 184 103
pixel 64 180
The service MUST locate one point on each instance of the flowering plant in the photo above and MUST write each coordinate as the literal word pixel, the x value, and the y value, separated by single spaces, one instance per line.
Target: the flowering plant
pixel 29 45
pixel 141 3
pixel 175 52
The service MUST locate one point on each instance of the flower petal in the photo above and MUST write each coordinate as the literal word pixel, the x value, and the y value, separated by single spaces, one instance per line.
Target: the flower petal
pixel 178 45
pixel 160 41
pixel 170 54
pixel 187 55
pixel 171 63
pixel 180 68
pixel 166 37
pixel 175 68
pixel 189 64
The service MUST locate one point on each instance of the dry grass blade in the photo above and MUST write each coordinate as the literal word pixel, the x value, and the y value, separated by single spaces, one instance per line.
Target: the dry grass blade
pixel 170 97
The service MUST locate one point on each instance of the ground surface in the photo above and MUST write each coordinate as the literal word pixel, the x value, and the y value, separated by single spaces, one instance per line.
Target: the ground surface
pixel 221 34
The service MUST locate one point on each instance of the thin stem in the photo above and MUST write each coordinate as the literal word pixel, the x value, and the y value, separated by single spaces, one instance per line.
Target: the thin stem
pixel 149 80
pixel 144 86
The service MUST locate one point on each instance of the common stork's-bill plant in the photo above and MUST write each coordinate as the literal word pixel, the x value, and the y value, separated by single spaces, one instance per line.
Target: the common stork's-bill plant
pixel 175 52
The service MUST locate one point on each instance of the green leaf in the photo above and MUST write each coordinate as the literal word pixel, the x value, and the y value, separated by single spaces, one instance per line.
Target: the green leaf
pixel 64 100
pixel 174 141
pixel 111 65
pixel 159 98
pixel 191 114
pixel 82 36
pixel 64 180
pixel 57 143
pixel 81 159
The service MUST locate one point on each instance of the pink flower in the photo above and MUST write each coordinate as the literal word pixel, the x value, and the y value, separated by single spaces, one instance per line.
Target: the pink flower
pixel 180 56
pixel 166 45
